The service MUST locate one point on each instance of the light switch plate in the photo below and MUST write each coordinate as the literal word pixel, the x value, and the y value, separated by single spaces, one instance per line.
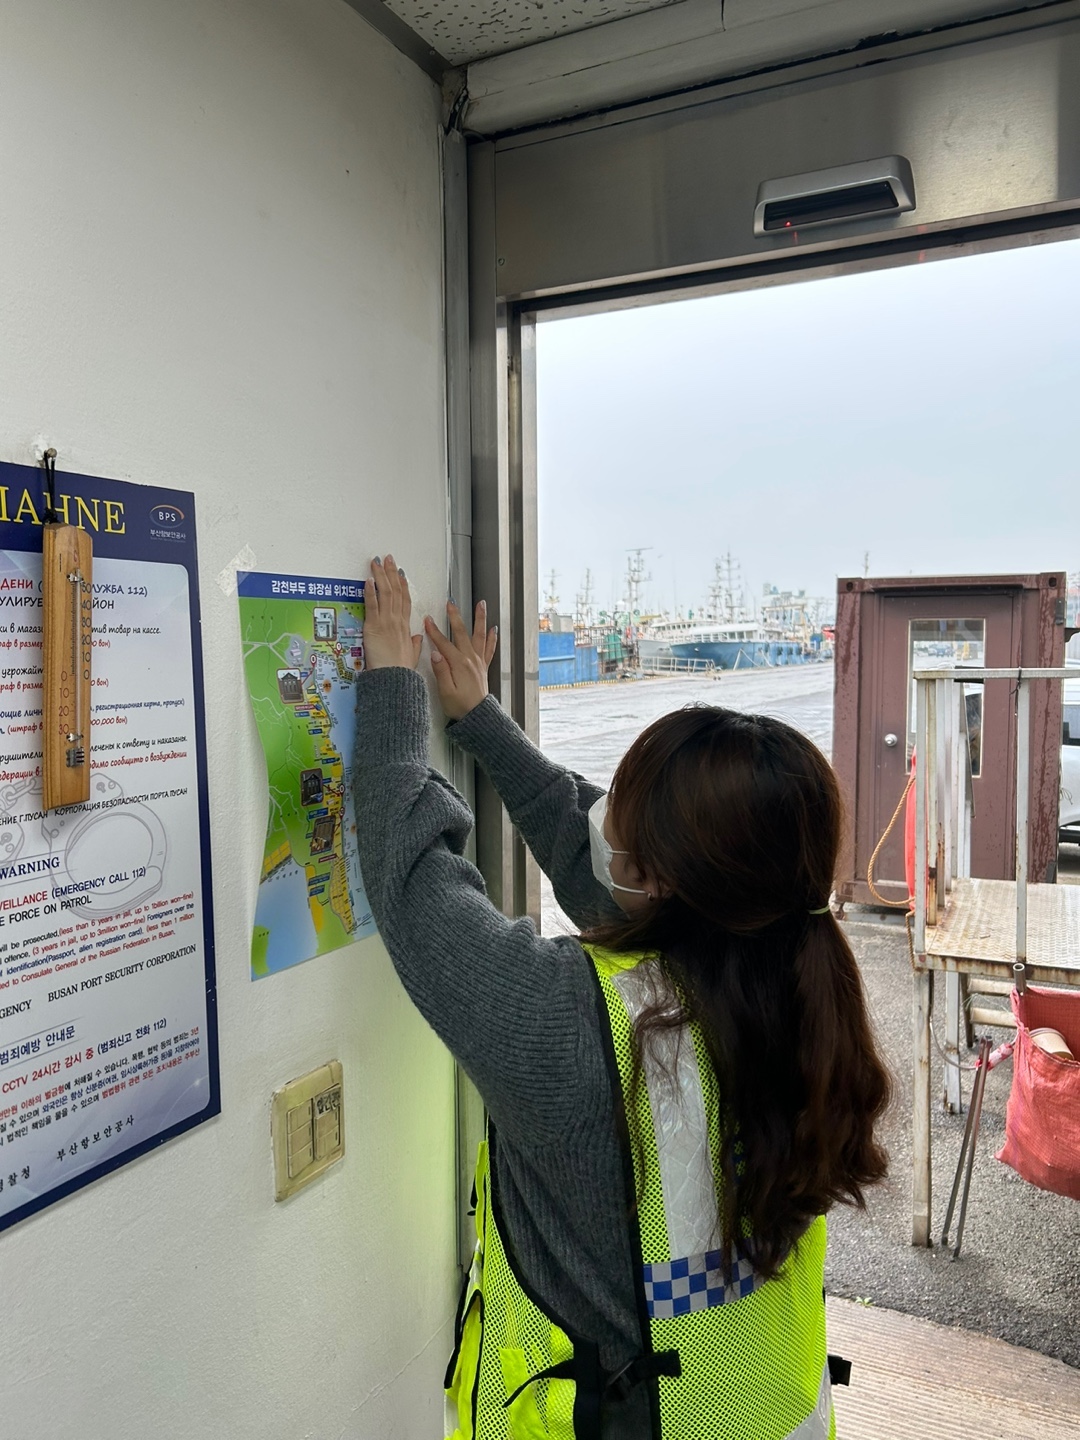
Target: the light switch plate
pixel 307 1125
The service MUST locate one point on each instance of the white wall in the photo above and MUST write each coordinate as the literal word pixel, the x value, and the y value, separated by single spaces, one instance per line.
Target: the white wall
pixel 220 270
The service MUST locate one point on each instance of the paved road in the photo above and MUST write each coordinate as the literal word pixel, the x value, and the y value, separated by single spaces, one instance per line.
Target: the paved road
pixel 590 728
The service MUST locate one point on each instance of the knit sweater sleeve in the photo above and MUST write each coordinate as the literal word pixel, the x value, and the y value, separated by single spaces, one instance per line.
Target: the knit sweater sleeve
pixel 518 1011
pixel 548 805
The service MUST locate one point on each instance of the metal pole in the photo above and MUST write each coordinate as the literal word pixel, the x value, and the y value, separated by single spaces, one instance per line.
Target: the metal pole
pixel 921 767
pixel 948 729
pixel 954 1100
pixel 921 1178
pixel 1023 765
pixel 963 866
pixel 941 791
pixel 976 1110
pixel 921 1006
pixel 951 751
pixel 933 772
pixel 969 1122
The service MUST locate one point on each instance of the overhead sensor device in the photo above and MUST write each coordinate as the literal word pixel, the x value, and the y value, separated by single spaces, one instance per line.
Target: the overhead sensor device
pixel 868 189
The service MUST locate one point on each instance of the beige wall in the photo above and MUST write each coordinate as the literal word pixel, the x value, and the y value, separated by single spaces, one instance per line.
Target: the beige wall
pixel 220 270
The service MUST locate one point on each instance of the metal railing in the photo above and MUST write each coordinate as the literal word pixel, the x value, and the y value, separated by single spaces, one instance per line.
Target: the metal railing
pixel 672 665
pixel 943 807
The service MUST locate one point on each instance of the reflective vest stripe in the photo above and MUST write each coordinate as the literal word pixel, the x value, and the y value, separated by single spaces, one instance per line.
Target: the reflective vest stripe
pixel 673 1081
pixel 679 1287
pixel 817 1425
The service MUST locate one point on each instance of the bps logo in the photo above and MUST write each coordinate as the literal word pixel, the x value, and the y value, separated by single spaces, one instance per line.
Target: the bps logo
pixel 167 522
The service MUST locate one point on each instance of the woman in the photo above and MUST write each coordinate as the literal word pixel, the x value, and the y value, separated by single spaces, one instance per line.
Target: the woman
pixel 675 1099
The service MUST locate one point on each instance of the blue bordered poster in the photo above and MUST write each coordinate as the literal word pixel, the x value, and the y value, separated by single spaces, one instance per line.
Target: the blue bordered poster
pixel 108 1036
pixel 303 643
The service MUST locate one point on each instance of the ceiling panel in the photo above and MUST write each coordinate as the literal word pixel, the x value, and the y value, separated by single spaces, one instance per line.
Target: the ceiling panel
pixel 466 30
pixel 696 42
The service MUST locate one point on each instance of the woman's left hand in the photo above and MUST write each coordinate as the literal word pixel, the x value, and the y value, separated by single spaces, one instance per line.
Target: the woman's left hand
pixel 388 637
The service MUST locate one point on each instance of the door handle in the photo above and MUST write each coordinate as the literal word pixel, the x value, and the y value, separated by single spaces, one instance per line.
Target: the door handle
pixel 892 740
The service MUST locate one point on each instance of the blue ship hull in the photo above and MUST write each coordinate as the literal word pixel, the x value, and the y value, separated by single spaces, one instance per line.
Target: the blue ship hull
pixel 740 654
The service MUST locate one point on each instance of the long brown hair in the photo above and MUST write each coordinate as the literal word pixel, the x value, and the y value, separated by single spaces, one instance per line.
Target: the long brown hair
pixel 738 819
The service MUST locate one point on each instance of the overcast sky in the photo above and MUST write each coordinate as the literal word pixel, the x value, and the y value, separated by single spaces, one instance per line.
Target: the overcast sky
pixel 927 414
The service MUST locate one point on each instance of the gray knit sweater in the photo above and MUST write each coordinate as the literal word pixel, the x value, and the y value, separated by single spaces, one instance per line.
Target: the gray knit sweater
pixel 518 1011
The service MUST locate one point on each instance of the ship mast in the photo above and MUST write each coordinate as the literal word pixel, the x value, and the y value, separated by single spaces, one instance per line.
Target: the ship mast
pixel 584 602
pixel 727 605
pixel 635 578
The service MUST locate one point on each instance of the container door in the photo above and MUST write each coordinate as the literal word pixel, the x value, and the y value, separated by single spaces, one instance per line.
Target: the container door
pixel 942 631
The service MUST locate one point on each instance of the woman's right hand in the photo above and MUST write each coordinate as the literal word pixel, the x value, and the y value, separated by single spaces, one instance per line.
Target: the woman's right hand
pixel 460 663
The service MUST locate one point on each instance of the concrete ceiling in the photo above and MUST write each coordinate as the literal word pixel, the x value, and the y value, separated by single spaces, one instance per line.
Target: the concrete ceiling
pixel 533 61
pixel 466 30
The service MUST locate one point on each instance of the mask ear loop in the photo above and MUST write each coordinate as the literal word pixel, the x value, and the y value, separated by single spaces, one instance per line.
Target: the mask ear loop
pixel 607 850
pixel 629 889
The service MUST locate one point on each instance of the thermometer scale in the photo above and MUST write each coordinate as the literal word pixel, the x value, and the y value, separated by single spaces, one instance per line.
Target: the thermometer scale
pixel 67 637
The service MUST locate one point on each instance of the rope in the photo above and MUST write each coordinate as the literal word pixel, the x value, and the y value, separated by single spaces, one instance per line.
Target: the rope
pixel 947 1059
pixel 897 904
pixel 1003 1052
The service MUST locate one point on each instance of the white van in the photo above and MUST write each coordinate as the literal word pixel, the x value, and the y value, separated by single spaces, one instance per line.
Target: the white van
pixel 1069 806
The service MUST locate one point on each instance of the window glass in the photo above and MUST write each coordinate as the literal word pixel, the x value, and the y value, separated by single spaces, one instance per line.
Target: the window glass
pixel 950 645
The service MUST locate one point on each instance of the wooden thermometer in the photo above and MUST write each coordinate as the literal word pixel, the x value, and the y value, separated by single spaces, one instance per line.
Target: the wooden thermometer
pixel 67 604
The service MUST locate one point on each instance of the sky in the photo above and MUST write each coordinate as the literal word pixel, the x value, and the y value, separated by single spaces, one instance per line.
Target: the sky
pixel 928 414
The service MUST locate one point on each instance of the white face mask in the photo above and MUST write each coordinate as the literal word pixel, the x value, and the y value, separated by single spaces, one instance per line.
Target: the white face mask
pixel 602 851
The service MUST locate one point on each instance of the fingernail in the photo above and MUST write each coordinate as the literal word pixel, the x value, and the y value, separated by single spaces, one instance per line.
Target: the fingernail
pixel 376 561
pixel 494 629
pixel 452 601
pixel 436 658
pixel 401 572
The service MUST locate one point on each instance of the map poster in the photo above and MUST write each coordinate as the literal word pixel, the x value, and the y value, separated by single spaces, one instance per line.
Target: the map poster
pixel 303 648
pixel 108 1037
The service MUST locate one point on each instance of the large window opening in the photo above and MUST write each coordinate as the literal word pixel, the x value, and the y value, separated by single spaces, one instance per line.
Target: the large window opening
pixel 707 468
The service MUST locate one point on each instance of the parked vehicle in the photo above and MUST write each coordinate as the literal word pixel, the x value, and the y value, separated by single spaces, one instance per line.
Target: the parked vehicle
pixel 1069 807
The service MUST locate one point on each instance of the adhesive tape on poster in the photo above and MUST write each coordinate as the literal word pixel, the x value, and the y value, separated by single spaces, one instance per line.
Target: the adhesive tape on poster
pixel 243 560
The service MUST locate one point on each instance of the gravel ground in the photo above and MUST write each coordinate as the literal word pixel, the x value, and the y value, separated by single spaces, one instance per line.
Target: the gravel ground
pixel 1018 1276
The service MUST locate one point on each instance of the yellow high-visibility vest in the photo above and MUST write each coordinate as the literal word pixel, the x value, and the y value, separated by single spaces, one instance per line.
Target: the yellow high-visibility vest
pixel 724 1356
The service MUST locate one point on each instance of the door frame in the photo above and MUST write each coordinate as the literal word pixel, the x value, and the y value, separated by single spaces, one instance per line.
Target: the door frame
pixel 491 420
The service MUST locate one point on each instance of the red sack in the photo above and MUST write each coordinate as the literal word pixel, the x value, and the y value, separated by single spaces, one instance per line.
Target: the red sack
pixel 1042 1122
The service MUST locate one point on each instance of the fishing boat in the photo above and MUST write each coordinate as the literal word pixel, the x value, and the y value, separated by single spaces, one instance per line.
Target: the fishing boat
pixel 730 645
pixel 728 635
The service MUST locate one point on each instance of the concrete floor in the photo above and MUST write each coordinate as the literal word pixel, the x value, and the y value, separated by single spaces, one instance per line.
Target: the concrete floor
pixel 1018 1276
pixel 914 1380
